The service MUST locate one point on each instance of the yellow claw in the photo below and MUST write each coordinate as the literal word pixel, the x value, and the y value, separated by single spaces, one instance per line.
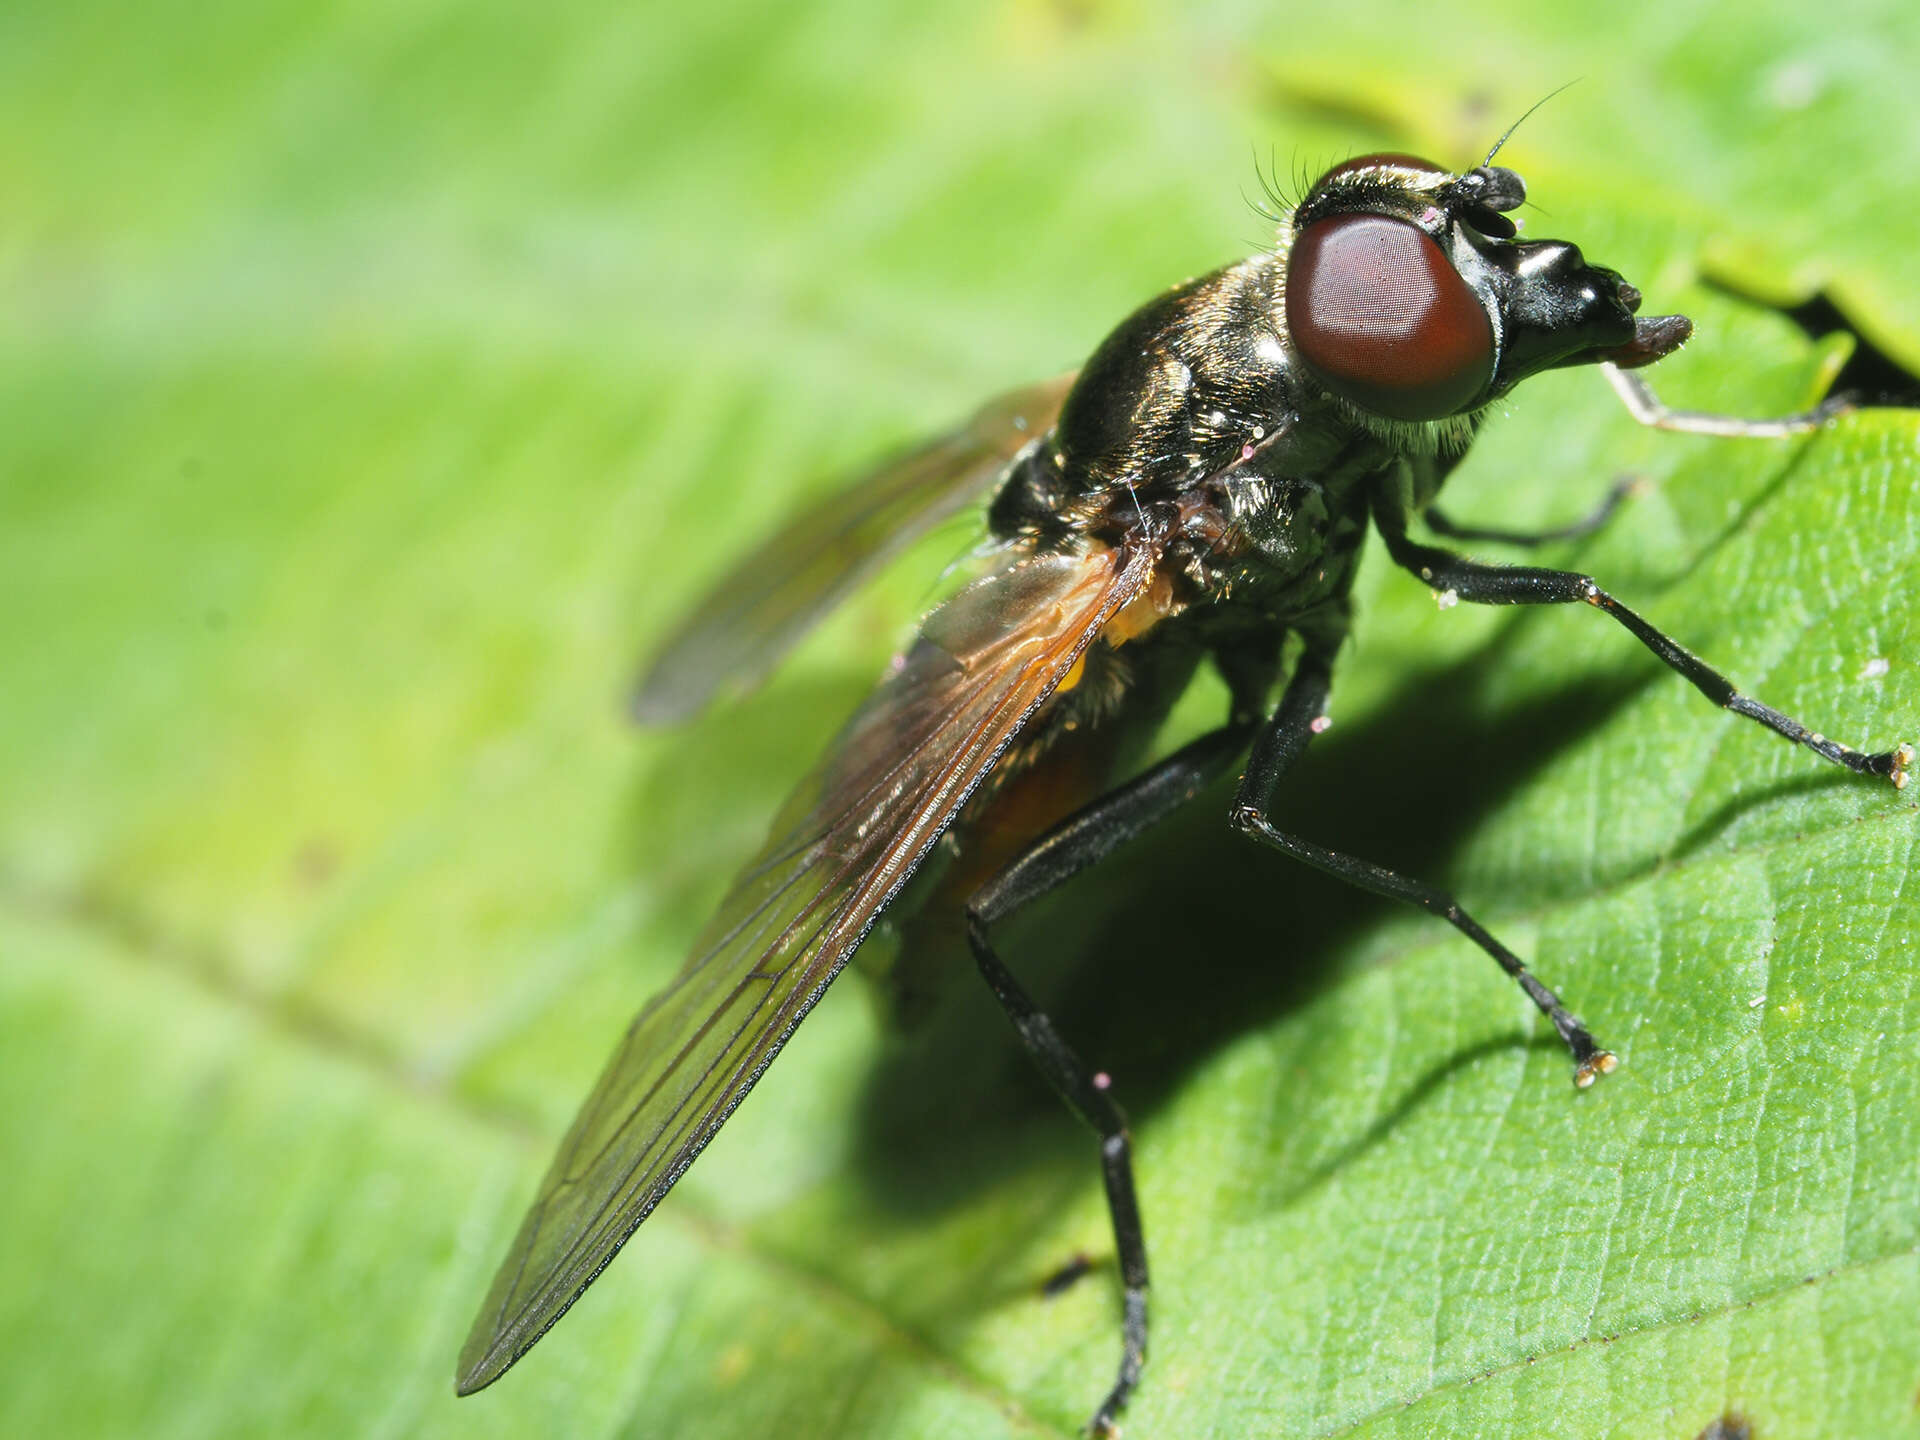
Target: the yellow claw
pixel 1601 1062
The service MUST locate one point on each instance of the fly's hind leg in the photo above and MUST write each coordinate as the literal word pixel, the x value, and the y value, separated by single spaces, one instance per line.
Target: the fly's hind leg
pixel 1070 847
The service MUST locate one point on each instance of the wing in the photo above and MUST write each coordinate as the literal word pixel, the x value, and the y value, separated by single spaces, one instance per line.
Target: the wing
pixel 846 841
pixel 759 610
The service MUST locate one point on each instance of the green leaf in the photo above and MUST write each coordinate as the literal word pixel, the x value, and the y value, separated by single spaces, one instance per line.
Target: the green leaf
pixel 380 380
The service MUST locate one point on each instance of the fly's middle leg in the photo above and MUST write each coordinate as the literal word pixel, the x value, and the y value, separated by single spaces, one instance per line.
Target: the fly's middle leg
pixel 1274 752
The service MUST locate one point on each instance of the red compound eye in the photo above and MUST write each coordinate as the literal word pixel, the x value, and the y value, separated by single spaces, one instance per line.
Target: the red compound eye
pixel 1384 320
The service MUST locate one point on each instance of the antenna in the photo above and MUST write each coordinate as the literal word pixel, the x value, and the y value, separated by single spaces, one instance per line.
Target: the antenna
pixel 1523 119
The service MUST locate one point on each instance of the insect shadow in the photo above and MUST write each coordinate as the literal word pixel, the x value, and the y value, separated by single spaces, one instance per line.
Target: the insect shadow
pixel 1190 937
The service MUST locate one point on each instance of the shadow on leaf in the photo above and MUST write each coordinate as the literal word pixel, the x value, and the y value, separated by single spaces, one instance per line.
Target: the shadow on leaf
pixel 1192 937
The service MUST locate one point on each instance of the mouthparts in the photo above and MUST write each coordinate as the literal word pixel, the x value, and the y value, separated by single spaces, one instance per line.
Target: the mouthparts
pixel 1653 339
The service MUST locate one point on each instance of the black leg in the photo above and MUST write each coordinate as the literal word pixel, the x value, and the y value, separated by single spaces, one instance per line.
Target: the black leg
pixel 1460 579
pixel 1286 735
pixel 1585 525
pixel 1646 407
pixel 1064 851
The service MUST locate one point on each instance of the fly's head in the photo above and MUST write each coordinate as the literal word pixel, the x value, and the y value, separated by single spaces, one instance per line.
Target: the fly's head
pixel 1410 297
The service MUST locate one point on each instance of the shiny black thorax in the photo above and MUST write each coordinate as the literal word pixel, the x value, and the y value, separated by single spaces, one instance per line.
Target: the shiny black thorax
pixel 1194 419
pixel 1194 416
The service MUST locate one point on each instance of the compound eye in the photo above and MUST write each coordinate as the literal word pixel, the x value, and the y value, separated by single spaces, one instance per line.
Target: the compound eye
pixel 1384 320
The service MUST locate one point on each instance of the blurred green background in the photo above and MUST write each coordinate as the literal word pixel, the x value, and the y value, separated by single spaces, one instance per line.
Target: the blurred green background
pixel 380 378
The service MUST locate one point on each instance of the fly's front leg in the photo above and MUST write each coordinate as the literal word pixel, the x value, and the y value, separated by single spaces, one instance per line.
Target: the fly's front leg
pixel 1585 525
pixel 1070 847
pixel 1285 737
pixel 1650 410
pixel 1646 407
pixel 1463 579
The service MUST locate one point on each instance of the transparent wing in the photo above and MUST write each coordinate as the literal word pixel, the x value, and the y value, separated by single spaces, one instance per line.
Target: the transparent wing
pixel 762 606
pixel 845 842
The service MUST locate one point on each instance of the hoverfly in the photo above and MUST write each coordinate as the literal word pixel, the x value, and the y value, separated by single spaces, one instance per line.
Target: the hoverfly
pixel 1199 491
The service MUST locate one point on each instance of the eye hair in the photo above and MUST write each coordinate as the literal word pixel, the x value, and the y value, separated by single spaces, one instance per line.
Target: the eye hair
pixel 1279 200
pixel 1362 188
pixel 1448 435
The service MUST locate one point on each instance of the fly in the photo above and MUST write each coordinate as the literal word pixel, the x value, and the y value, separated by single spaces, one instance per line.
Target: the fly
pixel 1200 491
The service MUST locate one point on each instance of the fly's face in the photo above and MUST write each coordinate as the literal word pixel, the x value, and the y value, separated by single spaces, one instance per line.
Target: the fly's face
pixel 1409 295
